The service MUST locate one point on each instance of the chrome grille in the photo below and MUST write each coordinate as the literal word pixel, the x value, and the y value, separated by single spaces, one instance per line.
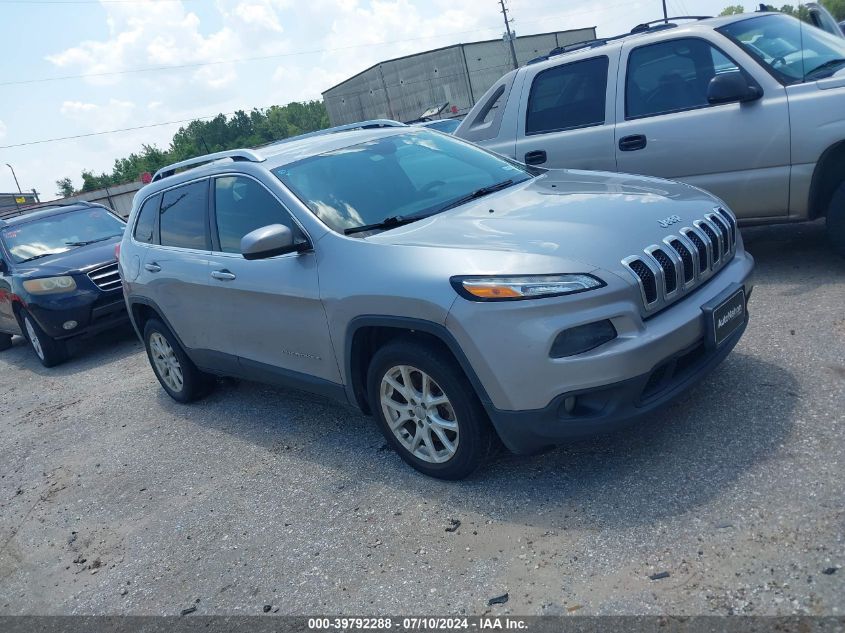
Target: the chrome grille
pixel 106 277
pixel 684 261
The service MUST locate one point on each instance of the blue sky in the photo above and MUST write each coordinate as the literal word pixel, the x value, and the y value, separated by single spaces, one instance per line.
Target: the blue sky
pixel 313 43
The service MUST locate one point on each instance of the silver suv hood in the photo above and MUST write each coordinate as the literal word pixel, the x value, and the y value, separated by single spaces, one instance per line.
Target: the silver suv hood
pixel 595 218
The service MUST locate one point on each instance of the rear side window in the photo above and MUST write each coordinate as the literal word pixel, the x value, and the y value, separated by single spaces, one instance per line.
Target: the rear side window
pixel 182 216
pixel 146 223
pixel 568 96
pixel 242 205
pixel 672 76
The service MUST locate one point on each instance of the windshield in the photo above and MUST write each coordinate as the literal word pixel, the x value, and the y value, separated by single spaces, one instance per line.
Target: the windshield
pixel 400 175
pixel 60 233
pixel 792 50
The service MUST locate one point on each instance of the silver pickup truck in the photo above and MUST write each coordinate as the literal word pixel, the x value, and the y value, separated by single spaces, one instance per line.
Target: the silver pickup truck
pixel 749 107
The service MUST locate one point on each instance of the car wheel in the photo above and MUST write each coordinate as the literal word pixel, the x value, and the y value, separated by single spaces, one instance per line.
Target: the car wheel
pixel 5 341
pixel 428 411
pixel 49 351
pixel 177 374
pixel 836 220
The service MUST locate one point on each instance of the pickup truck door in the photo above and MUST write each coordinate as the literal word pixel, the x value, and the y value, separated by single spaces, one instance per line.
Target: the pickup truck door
pixel 566 114
pixel 666 127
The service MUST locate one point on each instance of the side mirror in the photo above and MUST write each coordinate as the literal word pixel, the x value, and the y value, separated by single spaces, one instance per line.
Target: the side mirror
pixel 269 241
pixel 730 88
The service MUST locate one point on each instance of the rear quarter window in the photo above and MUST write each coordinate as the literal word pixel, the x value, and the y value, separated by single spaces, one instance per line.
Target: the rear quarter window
pixel 146 222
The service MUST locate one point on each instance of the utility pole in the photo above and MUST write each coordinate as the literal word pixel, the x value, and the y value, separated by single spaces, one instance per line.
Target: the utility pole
pixel 508 34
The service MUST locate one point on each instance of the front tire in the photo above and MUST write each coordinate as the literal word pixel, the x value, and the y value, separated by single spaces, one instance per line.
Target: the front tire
pixel 176 373
pixel 50 351
pixel 5 341
pixel 836 220
pixel 428 411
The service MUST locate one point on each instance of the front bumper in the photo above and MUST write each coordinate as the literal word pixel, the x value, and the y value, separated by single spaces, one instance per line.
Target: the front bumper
pixel 93 312
pixel 609 408
pixel 507 346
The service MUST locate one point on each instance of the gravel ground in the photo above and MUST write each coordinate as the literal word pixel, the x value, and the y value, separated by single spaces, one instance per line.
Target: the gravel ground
pixel 116 500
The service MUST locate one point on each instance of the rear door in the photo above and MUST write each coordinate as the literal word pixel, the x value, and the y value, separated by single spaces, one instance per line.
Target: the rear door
pixel 567 119
pixel 174 269
pixel 666 127
pixel 267 312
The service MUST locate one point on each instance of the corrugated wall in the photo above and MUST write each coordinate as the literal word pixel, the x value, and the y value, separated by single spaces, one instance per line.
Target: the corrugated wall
pixel 403 88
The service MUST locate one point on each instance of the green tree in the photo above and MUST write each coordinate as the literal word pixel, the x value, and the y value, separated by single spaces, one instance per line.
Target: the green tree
pixel 836 8
pixel 734 9
pixel 65 186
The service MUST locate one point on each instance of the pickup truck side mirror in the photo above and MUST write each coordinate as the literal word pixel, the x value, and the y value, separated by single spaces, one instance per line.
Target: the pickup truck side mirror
pixel 732 87
pixel 269 241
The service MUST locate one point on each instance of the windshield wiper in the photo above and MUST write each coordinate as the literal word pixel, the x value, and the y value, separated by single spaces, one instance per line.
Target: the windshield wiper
pixel 99 239
pixel 34 257
pixel 387 223
pixel 399 220
pixel 478 193
pixel 833 63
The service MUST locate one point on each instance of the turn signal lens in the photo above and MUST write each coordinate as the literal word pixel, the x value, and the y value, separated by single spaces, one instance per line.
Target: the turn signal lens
pixel 534 286
pixel 50 285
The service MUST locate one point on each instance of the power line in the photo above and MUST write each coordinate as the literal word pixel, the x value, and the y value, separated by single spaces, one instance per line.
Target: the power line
pixel 125 129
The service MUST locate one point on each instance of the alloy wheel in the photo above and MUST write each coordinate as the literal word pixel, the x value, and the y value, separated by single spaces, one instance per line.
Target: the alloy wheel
pixel 419 414
pixel 33 338
pixel 166 362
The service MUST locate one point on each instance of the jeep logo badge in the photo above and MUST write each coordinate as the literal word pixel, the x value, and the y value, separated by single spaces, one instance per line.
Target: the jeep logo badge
pixel 672 219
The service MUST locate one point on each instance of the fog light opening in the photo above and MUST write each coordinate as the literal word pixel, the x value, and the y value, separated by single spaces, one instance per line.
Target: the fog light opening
pixel 569 404
pixel 69 325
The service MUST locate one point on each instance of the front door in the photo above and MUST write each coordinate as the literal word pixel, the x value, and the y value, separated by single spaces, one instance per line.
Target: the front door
pixel 267 312
pixel 666 127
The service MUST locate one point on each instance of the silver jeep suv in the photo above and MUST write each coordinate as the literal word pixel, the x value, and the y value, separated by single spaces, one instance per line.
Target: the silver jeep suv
pixel 458 296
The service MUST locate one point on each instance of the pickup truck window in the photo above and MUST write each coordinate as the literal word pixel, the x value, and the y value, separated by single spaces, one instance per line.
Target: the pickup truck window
pixel 672 76
pixel 568 96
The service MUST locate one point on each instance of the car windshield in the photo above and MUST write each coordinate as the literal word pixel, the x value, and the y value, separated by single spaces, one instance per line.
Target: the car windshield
pixel 60 233
pixel 792 50
pixel 397 176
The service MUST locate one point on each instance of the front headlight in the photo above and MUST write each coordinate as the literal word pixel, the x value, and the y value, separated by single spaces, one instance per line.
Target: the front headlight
pixel 50 285
pixel 509 288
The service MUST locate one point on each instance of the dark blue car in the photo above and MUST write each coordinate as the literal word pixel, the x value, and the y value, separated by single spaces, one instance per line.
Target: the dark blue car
pixel 58 276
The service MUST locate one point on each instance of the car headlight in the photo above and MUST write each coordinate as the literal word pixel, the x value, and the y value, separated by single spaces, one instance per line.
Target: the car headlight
pixel 510 288
pixel 50 285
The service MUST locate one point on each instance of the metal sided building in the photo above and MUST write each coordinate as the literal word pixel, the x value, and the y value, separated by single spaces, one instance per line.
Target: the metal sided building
pixel 403 88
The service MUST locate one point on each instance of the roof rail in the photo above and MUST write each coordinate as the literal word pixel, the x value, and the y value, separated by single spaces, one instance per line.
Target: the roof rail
pixel 664 22
pixel 245 155
pixel 360 125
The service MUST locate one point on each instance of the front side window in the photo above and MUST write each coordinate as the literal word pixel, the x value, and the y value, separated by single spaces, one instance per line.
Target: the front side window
pixel 672 76
pixel 400 175
pixel 567 97
pixel 242 205
pixel 59 233
pixel 182 216
pixel 789 49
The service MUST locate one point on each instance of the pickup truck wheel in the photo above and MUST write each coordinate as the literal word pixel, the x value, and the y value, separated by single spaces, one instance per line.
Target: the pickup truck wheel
pixel 428 411
pixel 5 341
pixel 49 351
pixel 836 220
pixel 177 374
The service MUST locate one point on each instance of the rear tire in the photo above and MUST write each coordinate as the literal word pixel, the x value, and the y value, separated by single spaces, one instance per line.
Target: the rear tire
pixel 176 373
pixel 49 351
pixel 836 220
pixel 5 341
pixel 428 410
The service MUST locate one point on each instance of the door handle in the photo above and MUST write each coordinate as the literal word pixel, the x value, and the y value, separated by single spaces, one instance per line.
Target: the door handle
pixel 633 143
pixel 153 267
pixel 537 157
pixel 223 275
